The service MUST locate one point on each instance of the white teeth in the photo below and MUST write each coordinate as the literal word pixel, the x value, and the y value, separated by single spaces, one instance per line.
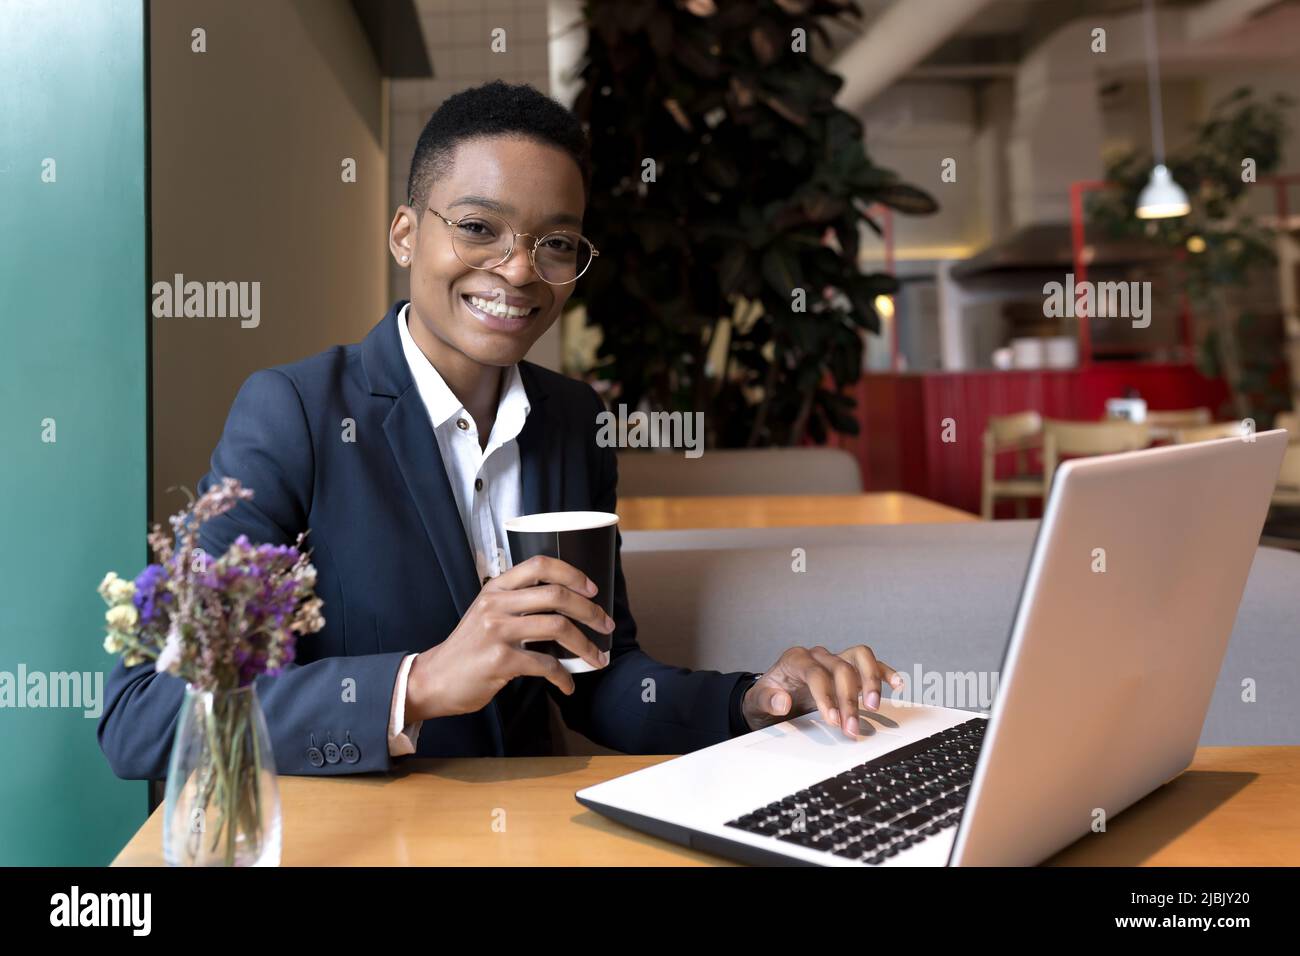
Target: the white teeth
pixel 497 308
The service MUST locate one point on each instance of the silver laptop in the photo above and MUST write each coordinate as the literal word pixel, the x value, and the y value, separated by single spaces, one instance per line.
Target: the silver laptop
pixel 1130 598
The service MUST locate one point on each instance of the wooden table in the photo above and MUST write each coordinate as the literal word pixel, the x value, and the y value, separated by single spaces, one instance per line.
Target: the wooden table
pixel 782 511
pixel 1236 806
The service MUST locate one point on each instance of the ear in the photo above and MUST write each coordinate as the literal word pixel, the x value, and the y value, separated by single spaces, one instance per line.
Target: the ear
pixel 402 235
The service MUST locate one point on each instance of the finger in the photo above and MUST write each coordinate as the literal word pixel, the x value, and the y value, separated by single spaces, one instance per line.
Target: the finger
pixel 848 684
pixel 772 699
pixel 873 670
pixel 887 673
pixel 821 685
pixel 864 661
pixel 540 569
pixel 536 664
pixel 558 628
pixel 556 598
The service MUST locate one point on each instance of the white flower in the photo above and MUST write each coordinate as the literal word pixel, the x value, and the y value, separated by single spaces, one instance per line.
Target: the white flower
pixel 114 643
pixel 169 661
pixel 121 591
pixel 122 617
pixel 107 583
pixel 116 590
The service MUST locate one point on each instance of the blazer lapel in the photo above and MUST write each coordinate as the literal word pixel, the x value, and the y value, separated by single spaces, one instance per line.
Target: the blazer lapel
pixel 416 449
pixel 541 453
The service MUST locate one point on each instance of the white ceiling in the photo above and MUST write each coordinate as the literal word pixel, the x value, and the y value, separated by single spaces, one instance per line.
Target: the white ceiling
pixel 1007 26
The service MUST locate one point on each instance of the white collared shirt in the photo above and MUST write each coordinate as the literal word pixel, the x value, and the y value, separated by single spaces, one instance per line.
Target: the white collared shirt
pixel 485 481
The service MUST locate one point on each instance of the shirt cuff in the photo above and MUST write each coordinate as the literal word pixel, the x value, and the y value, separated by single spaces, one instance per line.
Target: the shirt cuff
pixel 736 710
pixel 401 735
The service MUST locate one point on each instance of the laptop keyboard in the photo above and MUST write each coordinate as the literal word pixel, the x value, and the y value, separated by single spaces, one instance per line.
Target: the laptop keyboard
pixel 877 809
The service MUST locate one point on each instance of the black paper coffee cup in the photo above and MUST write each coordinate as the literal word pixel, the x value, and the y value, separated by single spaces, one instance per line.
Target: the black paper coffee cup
pixel 584 539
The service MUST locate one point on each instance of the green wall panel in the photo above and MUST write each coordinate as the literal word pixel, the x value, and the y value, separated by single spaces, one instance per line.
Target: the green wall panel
pixel 73 350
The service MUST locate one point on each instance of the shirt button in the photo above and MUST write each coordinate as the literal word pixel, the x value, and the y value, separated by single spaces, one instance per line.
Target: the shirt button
pixel 462 424
pixel 478 484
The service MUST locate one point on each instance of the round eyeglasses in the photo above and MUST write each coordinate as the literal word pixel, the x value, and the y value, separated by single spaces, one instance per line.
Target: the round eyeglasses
pixel 483 240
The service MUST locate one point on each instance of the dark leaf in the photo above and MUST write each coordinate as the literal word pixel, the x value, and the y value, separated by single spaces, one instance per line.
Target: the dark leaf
pixel 782 273
pixel 765 38
pixel 906 199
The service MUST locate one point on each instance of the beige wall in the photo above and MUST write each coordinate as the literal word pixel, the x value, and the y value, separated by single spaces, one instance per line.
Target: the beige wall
pixel 911 128
pixel 247 144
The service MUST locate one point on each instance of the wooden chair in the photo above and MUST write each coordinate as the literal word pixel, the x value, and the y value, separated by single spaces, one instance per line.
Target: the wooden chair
pixel 1179 418
pixel 1291 422
pixel 1018 433
pixel 1208 432
pixel 1163 424
pixel 1088 438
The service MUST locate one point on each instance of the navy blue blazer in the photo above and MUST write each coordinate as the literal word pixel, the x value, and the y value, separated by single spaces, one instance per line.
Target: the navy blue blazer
pixel 396 574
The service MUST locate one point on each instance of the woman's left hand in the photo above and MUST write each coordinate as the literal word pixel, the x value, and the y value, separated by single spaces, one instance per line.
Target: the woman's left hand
pixel 807 678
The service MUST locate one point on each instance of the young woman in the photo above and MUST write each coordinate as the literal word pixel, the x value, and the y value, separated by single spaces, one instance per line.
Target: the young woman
pixel 405 454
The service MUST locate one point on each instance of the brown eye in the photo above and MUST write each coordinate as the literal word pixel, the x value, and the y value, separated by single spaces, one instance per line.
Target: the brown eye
pixel 474 230
pixel 559 243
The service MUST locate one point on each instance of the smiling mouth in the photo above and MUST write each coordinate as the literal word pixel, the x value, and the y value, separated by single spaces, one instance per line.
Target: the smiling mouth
pixel 499 309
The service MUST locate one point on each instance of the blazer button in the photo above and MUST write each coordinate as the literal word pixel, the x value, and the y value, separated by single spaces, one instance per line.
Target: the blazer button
pixel 350 753
pixel 331 750
pixel 315 757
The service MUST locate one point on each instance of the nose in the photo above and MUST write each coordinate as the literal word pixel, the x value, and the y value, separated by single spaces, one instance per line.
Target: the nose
pixel 518 268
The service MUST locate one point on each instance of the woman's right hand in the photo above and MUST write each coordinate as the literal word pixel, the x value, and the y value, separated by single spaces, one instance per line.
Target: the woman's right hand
pixel 537 600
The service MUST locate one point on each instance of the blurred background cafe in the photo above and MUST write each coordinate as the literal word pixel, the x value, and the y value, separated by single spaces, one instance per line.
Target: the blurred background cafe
pixel 945 250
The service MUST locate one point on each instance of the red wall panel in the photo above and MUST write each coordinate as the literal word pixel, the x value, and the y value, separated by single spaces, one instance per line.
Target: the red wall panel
pixel 901 417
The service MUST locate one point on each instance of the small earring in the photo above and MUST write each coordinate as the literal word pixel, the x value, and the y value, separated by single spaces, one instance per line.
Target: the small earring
pixel 404 258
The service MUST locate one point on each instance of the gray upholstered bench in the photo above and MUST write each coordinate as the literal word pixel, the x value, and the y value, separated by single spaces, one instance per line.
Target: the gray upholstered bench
pixel 938 597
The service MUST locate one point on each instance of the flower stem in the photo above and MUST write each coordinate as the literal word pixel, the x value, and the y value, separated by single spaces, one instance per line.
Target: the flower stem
pixel 216 755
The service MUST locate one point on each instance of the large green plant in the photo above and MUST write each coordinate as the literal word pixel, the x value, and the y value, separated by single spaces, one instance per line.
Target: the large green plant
pixel 1218 247
pixel 726 200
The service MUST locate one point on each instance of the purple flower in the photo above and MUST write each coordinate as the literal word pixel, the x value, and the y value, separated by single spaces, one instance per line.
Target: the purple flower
pixel 227 617
pixel 146 596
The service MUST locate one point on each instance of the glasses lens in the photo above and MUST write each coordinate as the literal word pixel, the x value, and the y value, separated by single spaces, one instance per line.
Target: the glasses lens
pixel 562 256
pixel 481 240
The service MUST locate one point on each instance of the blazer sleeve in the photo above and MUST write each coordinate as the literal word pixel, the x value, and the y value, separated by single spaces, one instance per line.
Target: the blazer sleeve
pixel 636 704
pixel 267 445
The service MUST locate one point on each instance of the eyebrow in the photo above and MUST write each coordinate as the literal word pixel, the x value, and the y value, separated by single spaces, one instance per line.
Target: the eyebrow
pixel 559 218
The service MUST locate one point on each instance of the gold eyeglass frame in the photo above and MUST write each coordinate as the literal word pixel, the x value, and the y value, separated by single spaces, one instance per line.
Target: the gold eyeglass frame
pixel 532 250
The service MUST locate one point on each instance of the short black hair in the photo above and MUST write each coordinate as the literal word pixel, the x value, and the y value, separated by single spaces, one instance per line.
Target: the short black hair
pixel 493 109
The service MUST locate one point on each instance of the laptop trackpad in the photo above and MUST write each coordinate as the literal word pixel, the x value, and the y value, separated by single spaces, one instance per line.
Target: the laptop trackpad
pixel 810 738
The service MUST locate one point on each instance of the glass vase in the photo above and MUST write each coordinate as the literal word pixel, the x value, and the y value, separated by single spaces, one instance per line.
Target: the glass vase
pixel 223 804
